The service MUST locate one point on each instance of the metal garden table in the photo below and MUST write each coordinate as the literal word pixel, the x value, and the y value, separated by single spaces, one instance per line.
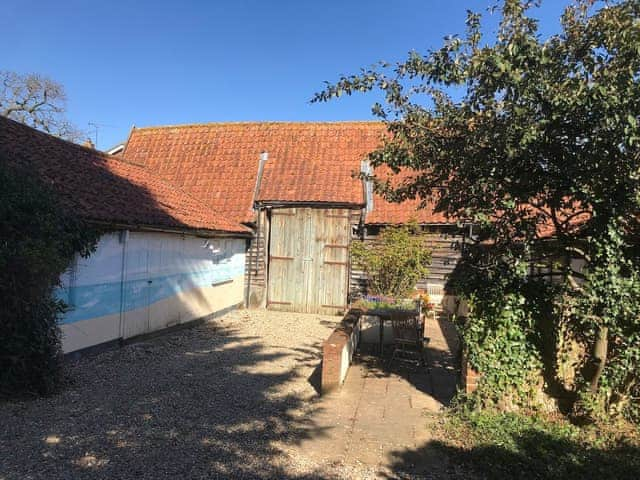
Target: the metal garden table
pixel 387 314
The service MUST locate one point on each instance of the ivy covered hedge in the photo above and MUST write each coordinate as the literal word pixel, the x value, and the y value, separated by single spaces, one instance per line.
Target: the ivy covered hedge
pixel 505 332
pixel 538 343
pixel 38 241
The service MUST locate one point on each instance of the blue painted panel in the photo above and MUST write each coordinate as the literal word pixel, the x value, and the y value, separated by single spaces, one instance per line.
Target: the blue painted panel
pixel 90 301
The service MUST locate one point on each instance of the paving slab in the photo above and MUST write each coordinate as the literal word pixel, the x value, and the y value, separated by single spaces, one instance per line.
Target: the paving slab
pixel 380 410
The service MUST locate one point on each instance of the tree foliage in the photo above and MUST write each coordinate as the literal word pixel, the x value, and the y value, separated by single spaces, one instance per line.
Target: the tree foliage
pixel 537 143
pixel 38 240
pixel 394 262
pixel 36 101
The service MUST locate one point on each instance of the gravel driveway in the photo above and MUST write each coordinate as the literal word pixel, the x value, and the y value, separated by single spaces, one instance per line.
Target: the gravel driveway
pixel 222 400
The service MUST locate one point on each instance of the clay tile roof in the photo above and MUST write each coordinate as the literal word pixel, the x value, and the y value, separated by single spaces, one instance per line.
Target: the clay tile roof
pixel 315 162
pixel 396 213
pixel 308 162
pixel 103 188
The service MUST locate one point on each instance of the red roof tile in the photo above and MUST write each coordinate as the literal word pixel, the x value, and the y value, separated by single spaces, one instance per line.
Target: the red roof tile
pixel 308 162
pixel 396 213
pixel 385 212
pixel 104 188
pixel 315 162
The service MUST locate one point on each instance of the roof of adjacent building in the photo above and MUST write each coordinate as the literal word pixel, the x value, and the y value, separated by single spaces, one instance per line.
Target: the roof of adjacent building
pixel 102 188
pixel 308 162
pixel 385 212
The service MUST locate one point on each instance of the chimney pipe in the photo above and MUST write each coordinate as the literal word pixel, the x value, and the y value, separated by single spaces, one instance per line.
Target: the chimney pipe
pixel 264 156
pixel 367 184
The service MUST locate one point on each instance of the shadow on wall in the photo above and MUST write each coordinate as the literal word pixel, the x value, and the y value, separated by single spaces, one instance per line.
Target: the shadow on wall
pixel 168 280
pixel 533 455
pixel 111 192
pixel 205 402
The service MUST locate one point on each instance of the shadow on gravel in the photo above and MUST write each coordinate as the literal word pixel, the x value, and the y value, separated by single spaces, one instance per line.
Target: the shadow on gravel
pixel 200 403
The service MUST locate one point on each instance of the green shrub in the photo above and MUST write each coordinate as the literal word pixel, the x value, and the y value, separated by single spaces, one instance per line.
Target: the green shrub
pixel 533 340
pixel 38 240
pixel 395 262
pixel 500 345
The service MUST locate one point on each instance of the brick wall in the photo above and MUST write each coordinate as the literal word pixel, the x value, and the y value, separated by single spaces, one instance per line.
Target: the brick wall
pixel 337 352
pixel 469 376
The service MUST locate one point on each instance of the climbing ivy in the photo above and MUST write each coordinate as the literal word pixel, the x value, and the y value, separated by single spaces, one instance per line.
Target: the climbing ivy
pixel 518 327
pixel 38 240
pixel 605 317
pixel 505 357
pixel 503 332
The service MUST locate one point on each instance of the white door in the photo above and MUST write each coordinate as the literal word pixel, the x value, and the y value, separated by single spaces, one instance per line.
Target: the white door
pixel 137 287
pixel 154 278
pixel 165 252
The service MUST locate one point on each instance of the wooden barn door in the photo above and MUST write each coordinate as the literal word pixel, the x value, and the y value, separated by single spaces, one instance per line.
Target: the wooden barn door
pixel 308 260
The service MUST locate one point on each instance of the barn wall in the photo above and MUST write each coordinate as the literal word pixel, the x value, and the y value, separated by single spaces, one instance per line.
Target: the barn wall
pixel 256 265
pixel 445 243
pixel 142 282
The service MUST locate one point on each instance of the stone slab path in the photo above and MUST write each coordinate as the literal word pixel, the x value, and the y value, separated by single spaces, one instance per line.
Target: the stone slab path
pixel 381 411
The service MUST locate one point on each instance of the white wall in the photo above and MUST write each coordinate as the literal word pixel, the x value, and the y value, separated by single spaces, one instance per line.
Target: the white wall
pixel 140 282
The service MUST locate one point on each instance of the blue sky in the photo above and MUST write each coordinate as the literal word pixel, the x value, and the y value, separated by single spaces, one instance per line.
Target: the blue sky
pixel 144 62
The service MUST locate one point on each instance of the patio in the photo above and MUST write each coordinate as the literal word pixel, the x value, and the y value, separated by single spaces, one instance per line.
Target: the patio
pixel 382 410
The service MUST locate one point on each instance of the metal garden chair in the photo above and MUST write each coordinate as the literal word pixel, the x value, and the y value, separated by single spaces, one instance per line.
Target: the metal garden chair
pixel 408 340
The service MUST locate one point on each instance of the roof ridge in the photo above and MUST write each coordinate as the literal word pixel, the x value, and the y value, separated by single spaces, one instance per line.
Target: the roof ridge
pixel 263 122
pixel 56 137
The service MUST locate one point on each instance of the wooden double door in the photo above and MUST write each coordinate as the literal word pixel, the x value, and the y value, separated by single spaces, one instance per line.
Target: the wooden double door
pixel 308 267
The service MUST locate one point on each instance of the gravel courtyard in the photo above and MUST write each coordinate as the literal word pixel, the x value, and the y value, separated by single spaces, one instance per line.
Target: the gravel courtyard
pixel 233 398
pixel 226 399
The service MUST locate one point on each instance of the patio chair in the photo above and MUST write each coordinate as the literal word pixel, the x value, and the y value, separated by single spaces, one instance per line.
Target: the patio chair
pixel 408 340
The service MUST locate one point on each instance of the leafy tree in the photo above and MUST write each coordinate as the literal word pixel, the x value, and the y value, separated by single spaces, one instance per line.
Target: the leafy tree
pixel 36 101
pixel 38 240
pixel 537 143
pixel 395 261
